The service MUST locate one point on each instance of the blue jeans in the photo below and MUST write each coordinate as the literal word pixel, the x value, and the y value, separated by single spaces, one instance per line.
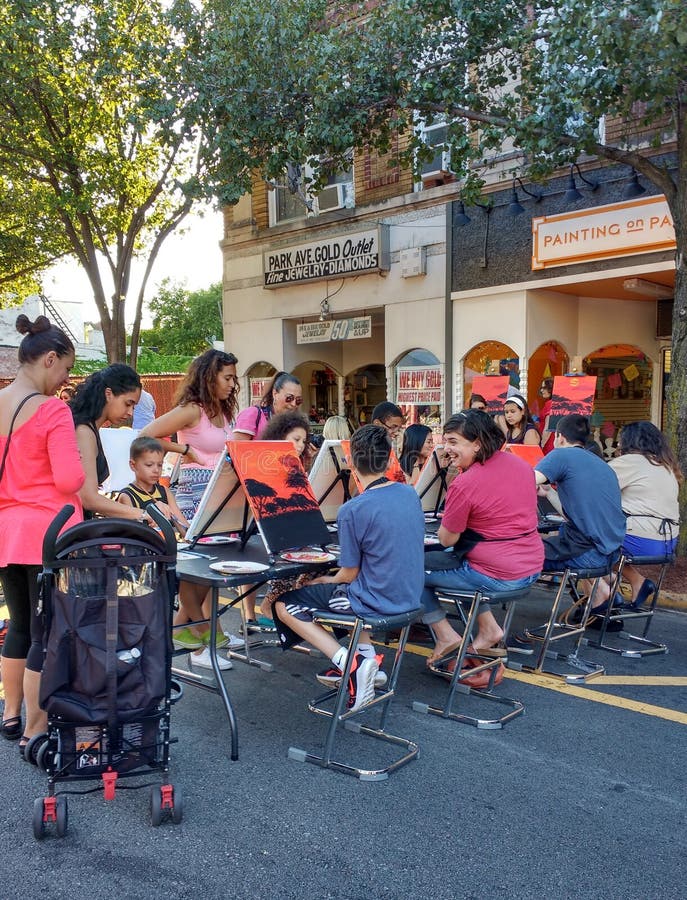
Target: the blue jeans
pixel 590 559
pixel 464 578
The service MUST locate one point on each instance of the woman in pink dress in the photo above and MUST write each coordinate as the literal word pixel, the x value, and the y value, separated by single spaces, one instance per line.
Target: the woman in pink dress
pixel 40 473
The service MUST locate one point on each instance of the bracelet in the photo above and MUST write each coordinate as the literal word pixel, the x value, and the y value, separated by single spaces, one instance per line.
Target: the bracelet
pixel 187 447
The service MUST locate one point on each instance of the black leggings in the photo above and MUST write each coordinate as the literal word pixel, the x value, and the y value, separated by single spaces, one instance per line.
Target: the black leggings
pixel 24 638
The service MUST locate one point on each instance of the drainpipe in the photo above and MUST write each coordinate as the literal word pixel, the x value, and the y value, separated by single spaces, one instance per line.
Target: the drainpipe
pixel 449 390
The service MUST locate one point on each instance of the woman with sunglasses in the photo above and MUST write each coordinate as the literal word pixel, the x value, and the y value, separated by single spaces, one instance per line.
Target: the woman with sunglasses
pixel 283 393
pixel 202 420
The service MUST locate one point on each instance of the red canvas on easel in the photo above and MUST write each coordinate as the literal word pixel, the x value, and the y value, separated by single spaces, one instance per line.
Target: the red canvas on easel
pixel 573 394
pixel 494 389
pixel 394 472
pixel 279 493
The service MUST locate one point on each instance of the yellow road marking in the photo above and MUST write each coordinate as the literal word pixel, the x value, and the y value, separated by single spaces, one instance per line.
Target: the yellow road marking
pixel 595 696
pixel 650 680
pixel 584 693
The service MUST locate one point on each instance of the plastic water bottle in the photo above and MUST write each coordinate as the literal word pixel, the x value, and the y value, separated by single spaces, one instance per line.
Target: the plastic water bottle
pixel 129 656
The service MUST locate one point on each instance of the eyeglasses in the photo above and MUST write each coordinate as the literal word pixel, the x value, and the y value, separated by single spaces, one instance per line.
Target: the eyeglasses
pixel 291 398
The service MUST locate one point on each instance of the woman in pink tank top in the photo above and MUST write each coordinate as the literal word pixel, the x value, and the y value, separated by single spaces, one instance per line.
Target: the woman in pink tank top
pixel 207 403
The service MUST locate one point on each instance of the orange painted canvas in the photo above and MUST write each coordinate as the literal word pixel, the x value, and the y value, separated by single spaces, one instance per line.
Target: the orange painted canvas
pixel 494 389
pixel 394 471
pixel 573 394
pixel 531 453
pixel 279 493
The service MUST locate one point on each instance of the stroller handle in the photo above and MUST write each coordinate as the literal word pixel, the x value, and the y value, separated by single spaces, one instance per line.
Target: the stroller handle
pixel 165 528
pixel 53 531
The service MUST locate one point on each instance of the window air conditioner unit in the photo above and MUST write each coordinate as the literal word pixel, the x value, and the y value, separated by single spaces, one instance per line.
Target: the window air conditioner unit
pixel 335 196
pixel 440 164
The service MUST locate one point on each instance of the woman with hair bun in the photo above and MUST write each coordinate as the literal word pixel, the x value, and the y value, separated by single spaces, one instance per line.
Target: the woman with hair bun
pixel 109 395
pixel 40 472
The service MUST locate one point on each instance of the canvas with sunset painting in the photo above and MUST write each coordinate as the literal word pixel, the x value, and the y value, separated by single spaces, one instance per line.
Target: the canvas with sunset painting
pixel 279 493
pixel 494 389
pixel 572 394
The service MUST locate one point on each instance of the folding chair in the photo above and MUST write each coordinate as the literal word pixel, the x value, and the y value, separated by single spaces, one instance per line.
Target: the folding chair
pixel 555 630
pixel 634 614
pixel 339 715
pixel 479 662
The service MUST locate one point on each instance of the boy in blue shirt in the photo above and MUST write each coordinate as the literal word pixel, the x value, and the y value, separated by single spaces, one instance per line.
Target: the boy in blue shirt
pixel 381 535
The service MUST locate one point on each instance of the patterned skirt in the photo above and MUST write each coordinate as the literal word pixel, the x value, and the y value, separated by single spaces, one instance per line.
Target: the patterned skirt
pixel 192 483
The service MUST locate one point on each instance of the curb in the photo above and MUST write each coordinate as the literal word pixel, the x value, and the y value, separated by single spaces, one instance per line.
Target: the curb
pixel 671 600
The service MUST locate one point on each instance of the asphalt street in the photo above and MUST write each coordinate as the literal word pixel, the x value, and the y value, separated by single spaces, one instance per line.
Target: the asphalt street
pixel 581 797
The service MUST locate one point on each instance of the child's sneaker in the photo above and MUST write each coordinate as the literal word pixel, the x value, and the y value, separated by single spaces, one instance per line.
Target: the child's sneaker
pixel 205 662
pixel 361 684
pixel 185 639
pixel 331 676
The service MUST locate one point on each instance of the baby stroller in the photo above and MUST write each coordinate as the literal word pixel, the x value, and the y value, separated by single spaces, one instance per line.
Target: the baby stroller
pixel 107 589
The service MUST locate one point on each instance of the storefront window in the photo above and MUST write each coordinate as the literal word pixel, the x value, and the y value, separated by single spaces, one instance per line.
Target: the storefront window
pixel 320 392
pixel 547 361
pixel 420 388
pixel 364 388
pixel 623 390
pixel 666 383
pixel 490 358
pixel 259 376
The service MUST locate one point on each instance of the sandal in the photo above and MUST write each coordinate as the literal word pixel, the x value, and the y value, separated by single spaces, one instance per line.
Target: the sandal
pixel 436 658
pixel 11 728
pixel 22 744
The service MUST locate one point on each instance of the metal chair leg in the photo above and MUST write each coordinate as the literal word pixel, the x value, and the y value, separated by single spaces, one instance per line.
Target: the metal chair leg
pixel 339 715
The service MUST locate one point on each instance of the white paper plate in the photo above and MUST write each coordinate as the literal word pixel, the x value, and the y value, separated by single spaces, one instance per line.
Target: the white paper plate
pixel 237 567
pixel 217 539
pixel 332 528
pixel 333 548
pixel 431 540
pixel 182 555
pixel 307 556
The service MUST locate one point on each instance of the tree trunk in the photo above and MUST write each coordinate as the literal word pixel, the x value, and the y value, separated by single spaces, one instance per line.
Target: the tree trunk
pixel 677 391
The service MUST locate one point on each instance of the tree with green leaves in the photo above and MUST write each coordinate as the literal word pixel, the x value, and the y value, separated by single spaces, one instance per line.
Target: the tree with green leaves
pixel 185 323
pixel 100 153
pixel 310 79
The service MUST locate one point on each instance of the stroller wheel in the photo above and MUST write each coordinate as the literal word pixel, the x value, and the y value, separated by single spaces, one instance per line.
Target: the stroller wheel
pixel 34 745
pixel 176 691
pixel 45 757
pixel 178 808
pixel 62 816
pixel 38 823
pixel 156 805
